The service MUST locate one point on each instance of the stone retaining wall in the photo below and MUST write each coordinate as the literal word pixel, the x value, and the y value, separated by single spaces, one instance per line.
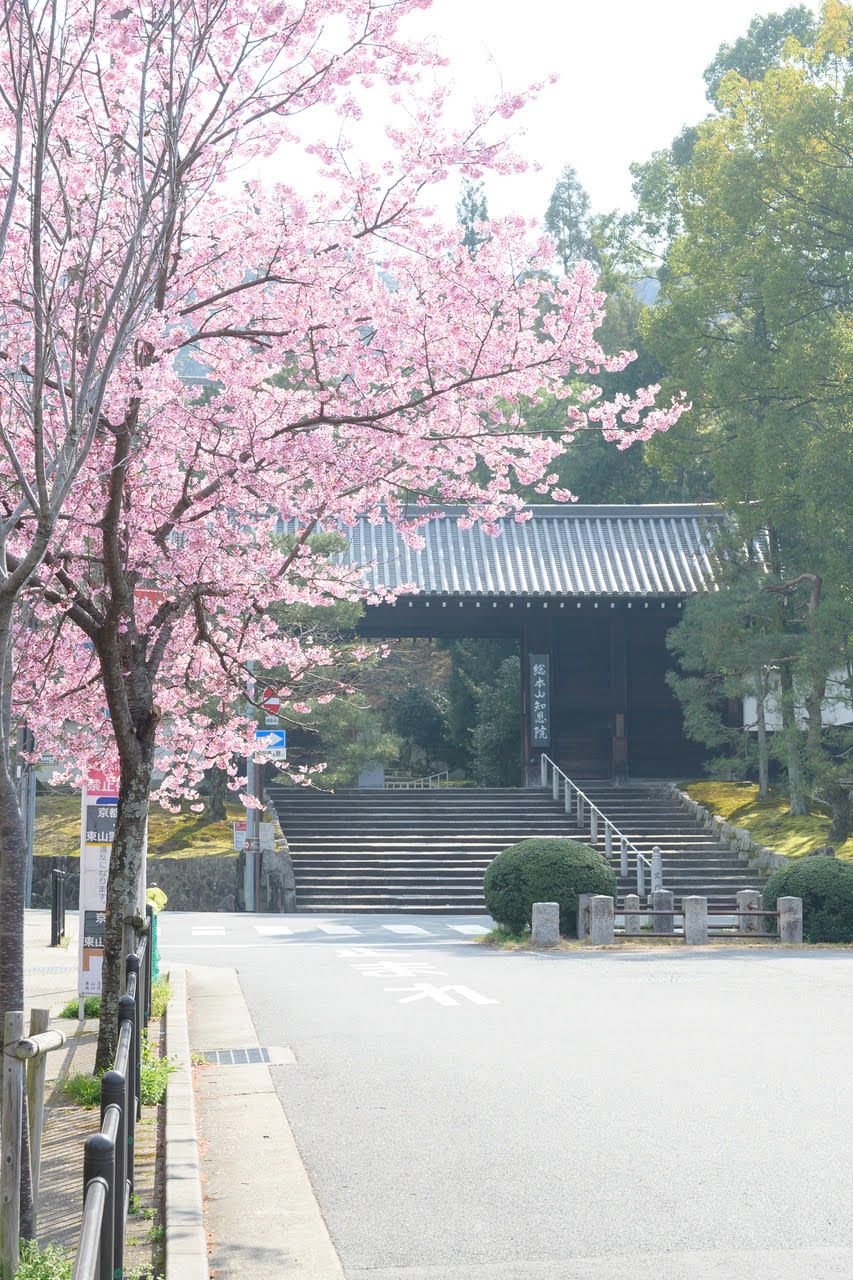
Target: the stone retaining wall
pixel 190 884
pixel 738 839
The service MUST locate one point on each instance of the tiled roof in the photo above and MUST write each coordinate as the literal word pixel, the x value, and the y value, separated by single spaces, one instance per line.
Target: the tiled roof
pixel 575 551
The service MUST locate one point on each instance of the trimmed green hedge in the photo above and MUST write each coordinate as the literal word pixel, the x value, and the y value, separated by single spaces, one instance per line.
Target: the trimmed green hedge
pixel 826 888
pixel 545 871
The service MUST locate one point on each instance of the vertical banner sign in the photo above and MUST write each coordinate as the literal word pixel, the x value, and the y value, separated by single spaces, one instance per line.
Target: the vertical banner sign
pixel 97 828
pixel 540 699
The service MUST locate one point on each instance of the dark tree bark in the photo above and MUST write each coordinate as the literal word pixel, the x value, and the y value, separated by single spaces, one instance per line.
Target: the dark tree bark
pixel 839 827
pixel 216 810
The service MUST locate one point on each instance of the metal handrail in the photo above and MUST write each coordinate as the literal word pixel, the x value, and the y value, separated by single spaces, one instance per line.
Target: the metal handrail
pixel 427 783
pixel 108 1164
pixel 583 802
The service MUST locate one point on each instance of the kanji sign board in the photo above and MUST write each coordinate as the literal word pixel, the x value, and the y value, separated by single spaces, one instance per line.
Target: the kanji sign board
pixel 540 699
pixel 98 812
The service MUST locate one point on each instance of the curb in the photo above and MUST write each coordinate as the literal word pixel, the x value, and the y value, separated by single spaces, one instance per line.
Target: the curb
pixel 186 1240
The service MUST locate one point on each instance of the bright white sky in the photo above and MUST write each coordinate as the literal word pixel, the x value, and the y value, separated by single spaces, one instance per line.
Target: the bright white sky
pixel 630 77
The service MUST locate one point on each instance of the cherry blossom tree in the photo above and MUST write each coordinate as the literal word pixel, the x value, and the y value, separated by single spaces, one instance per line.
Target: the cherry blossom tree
pixel 287 355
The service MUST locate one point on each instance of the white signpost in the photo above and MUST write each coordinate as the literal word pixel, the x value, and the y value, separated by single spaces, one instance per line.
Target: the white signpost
pixel 99 807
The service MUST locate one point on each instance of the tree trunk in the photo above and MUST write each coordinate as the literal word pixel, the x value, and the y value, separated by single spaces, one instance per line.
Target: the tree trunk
pixel 123 889
pixel 793 745
pixel 839 828
pixel 216 810
pixel 761 736
pixel 12 880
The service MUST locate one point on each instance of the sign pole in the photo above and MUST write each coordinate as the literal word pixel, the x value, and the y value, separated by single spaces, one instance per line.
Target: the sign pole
pixel 250 849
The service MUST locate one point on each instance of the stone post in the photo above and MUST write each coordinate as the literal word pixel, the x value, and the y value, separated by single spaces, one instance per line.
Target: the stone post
pixel 695 911
pixel 601 920
pixel 584 900
pixel 545 929
pixel 632 923
pixel 750 900
pixel 790 919
pixel 663 900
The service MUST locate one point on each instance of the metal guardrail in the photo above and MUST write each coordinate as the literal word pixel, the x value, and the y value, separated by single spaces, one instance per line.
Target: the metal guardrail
pixel 574 797
pixel 108 1155
pixel 431 781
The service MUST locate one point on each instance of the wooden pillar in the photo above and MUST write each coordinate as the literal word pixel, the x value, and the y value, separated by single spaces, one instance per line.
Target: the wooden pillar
pixel 619 694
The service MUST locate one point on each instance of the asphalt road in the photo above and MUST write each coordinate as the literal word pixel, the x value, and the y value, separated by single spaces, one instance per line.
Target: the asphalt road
pixel 467 1113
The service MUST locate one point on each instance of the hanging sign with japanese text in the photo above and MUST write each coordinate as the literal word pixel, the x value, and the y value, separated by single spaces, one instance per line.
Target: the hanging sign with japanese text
pixel 99 809
pixel 97 828
pixel 540 699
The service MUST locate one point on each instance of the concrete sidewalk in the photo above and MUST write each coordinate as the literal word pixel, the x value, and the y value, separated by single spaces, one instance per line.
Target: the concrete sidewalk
pixel 262 1216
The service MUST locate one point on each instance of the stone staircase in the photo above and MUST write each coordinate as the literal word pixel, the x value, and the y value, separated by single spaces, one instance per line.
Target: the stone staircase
pixel 426 851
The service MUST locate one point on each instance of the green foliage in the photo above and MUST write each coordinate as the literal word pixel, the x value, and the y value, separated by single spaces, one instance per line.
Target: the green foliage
pixel 154 1074
pixel 49 1263
pixel 471 212
pixel 755 324
pixel 139 1210
pixel 84 1089
pixel 91 1008
pixel 419 718
pixel 826 888
pixel 567 219
pixel 544 871
pixel 496 736
pixel 161 994
pixel 754 54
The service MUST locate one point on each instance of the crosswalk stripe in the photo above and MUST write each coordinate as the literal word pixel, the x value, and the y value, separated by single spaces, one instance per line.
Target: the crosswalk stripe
pixel 272 930
pixel 471 930
pixel 197 932
pixel 339 929
pixel 406 928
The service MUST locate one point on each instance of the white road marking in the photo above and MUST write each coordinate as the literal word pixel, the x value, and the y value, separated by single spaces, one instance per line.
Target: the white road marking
pixel 471 930
pixel 273 930
pixel 441 995
pixel 406 928
pixel 397 969
pixel 339 930
pixel 197 932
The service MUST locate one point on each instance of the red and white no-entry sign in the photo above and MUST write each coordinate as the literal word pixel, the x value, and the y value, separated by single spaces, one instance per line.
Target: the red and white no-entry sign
pixel 270 701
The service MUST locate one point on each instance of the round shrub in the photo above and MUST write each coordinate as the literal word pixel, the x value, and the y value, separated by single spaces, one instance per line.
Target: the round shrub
pixel 544 871
pixel 826 888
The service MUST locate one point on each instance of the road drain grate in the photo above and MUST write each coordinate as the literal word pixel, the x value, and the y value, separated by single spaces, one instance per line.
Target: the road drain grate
pixel 235 1057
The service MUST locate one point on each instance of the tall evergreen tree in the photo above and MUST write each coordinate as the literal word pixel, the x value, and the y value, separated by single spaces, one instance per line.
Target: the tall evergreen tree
pixel 472 212
pixel 567 218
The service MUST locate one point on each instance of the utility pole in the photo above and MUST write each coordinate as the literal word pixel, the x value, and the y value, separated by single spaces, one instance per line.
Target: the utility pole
pixel 26 786
pixel 251 849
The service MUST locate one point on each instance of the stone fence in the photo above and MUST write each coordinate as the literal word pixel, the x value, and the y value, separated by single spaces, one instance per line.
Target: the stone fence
pixel 597 917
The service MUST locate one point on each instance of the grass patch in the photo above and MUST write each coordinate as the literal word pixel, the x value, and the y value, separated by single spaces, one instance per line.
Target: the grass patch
pixel 154 1074
pixel 170 835
pixel 768 821
pixel 85 1089
pixel 49 1263
pixel 91 1008
pixel 500 937
pixel 161 994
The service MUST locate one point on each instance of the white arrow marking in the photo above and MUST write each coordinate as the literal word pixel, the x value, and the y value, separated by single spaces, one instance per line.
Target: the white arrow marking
pixel 441 995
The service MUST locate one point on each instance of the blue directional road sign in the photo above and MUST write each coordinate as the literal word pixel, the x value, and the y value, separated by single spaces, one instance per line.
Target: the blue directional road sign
pixel 272 743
